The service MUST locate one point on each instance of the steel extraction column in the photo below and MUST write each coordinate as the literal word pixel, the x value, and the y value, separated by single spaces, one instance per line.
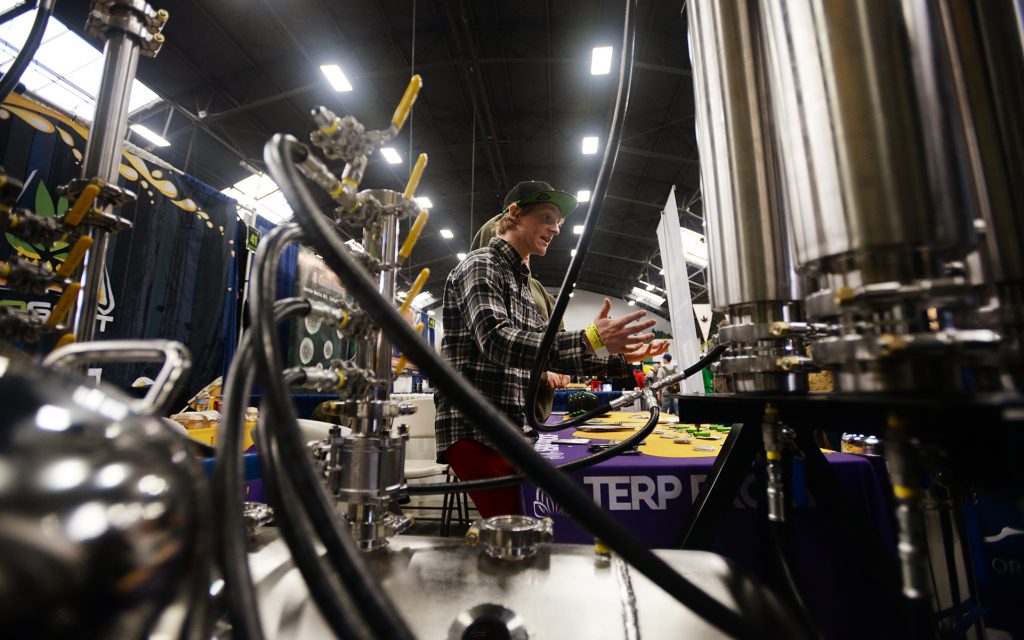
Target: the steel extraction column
pixel 752 278
pixel 130 28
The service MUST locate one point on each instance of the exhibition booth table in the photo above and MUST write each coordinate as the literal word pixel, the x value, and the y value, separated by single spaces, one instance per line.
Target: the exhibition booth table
pixel 651 492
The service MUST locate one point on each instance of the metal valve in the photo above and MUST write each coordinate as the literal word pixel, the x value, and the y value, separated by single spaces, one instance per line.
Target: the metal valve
pixel 510 537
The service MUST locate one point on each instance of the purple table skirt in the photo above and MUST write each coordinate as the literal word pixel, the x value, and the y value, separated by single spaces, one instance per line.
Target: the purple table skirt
pixel 652 496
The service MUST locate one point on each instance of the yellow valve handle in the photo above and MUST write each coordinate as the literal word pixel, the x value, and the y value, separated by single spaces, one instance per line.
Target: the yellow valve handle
pixel 63 306
pixel 82 205
pixel 414 290
pixel 409 97
pixel 403 361
pixel 75 256
pixel 414 235
pixel 414 179
pixel 64 340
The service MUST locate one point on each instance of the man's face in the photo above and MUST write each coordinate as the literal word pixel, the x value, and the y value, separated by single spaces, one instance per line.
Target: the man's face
pixel 538 227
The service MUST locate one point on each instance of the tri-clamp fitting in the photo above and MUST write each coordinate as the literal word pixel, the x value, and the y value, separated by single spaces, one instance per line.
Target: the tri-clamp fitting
pixel 133 17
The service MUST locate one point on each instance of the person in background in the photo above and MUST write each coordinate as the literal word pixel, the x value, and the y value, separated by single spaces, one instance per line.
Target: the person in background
pixel 668 368
pixel 493 333
pixel 549 380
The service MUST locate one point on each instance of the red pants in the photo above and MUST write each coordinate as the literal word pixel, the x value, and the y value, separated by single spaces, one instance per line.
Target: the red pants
pixel 472 460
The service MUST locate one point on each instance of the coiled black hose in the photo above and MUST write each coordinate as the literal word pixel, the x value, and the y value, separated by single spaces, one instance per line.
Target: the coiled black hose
pixel 582 463
pixel 29 50
pixel 605 407
pixel 377 609
pixel 280 155
pixel 611 151
pixel 575 465
pixel 229 530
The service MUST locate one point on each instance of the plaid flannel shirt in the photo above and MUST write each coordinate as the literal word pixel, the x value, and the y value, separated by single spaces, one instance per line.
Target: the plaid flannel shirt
pixel 492 335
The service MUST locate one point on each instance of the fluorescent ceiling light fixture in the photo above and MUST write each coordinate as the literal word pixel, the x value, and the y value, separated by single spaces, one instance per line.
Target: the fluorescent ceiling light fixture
pixel 336 77
pixel 460 256
pixel 647 297
pixel 695 249
pixel 577 229
pixel 390 155
pixel 424 202
pixel 584 194
pixel 422 300
pixel 447 234
pixel 150 135
pixel 601 61
pixel 259 194
pixel 572 253
pixel 589 145
pixel 66 70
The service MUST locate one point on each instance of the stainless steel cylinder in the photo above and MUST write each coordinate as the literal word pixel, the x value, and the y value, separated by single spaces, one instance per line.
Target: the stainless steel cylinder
pixel 866 172
pixel 752 278
pixel 746 233
pixel 102 159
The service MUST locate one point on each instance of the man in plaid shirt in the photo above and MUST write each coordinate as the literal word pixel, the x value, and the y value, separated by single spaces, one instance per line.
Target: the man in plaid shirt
pixel 492 335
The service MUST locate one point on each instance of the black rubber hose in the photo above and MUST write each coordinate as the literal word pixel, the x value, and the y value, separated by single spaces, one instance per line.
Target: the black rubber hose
pixel 29 50
pixel 17 10
pixel 336 606
pixel 611 151
pixel 582 463
pixel 279 154
pixel 377 609
pixel 604 408
pixel 575 465
pixel 229 530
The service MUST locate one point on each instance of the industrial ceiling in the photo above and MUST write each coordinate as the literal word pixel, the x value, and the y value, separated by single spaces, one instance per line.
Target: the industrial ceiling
pixel 508 96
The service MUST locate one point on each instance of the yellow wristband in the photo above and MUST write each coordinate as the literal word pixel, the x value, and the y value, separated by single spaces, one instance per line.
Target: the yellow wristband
pixel 595 340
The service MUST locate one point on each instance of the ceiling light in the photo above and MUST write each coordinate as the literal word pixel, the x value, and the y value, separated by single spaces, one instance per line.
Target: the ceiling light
pixel 424 202
pixel 402 294
pixel 571 294
pixel 460 256
pixel 430 313
pixel 423 300
pixel 391 155
pixel 632 303
pixel 447 234
pixel 336 77
pixel 583 195
pixel 695 249
pixel 153 137
pixel 601 61
pixel 647 297
pixel 572 253
pixel 661 272
pixel 577 229
pixel 589 145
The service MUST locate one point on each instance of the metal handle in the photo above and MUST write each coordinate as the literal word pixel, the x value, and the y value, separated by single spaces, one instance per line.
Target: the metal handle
pixel 176 358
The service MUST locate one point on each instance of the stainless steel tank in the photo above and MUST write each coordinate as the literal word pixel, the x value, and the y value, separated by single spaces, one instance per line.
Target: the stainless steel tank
pixel 880 208
pixel 445 589
pixel 101 519
pixel 752 278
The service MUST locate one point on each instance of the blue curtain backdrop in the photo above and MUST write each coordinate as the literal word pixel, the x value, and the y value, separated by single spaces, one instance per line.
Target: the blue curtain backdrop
pixel 174 275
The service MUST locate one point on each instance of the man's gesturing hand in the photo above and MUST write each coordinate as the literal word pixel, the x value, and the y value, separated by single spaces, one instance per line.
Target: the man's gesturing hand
pixel 622 333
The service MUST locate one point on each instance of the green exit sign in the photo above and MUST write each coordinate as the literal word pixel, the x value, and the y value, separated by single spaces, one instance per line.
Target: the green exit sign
pixel 430 323
pixel 252 238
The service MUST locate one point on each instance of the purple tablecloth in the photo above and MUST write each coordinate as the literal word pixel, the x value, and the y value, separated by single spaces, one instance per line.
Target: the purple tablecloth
pixel 652 496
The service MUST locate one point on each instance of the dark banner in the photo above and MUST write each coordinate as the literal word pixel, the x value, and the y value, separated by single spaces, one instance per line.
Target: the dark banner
pixel 172 276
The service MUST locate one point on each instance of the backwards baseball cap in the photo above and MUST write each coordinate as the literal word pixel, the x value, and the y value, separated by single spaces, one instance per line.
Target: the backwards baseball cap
pixel 534 191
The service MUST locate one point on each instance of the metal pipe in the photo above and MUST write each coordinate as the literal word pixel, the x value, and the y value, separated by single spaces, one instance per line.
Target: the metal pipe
pixel 102 160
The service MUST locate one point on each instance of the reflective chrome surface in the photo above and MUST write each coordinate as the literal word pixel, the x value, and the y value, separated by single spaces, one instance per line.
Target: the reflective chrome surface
pixel 565 591
pixel 864 170
pixel 747 239
pixel 100 515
